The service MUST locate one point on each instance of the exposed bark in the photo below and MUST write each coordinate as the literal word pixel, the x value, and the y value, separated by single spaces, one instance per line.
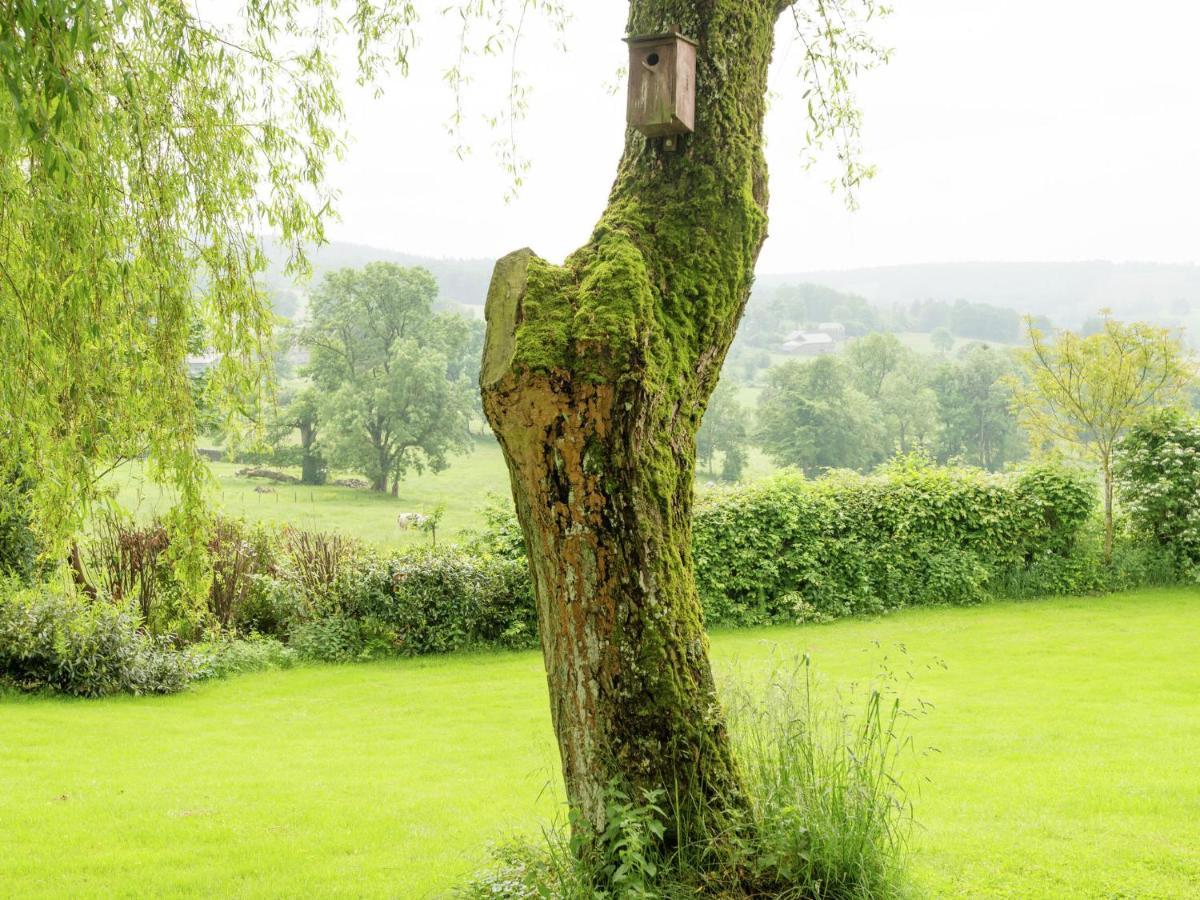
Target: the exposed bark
pixel 595 377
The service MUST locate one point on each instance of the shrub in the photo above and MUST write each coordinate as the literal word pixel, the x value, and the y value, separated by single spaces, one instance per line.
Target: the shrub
pixel 270 606
pixel 238 552
pixel 335 639
pixel 436 601
pixel 911 534
pixel 51 639
pixel 126 562
pixel 317 560
pixel 1158 482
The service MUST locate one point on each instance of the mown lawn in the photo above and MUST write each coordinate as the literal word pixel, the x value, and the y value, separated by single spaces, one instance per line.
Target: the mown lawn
pixel 1066 763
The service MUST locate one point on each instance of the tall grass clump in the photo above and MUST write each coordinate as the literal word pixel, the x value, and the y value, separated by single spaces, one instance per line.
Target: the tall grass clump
pixel 829 818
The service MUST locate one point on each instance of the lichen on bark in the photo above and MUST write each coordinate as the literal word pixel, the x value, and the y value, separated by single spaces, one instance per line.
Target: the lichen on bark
pixel 595 377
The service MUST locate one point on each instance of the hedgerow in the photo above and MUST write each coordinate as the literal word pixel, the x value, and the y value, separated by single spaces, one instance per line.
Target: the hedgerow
pixel 911 534
pixel 784 550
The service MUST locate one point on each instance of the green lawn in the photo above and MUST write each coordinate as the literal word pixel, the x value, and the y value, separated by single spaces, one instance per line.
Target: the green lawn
pixel 470 482
pixel 1066 734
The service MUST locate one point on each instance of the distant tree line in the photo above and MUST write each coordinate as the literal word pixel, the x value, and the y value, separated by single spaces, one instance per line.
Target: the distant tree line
pixel 771 316
pixel 985 405
pixel 879 398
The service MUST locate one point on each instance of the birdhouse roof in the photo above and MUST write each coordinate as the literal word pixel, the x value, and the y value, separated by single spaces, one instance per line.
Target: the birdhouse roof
pixel 635 39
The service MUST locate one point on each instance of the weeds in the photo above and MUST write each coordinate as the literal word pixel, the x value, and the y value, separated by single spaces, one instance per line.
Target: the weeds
pixel 830 816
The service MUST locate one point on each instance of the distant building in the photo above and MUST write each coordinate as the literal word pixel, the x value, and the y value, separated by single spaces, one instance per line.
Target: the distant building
pixel 835 330
pixel 809 343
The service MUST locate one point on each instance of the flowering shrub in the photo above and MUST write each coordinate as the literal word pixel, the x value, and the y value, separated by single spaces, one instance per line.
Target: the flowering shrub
pixel 1158 483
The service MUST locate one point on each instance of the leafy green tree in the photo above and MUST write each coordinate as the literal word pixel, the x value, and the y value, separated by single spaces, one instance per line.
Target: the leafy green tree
pixel 909 405
pixel 811 416
pixel 974 400
pixel 942 339
pixel 724 430
pixel 300 412
pixel 1085 393
pixel 871 359
pixel 381 358
pixel 464 339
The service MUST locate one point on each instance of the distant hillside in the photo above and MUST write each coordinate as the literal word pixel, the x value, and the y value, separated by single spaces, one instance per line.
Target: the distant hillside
pixel 1068 293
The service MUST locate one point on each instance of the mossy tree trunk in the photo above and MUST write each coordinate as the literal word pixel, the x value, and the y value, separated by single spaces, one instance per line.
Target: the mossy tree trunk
pixel 595 376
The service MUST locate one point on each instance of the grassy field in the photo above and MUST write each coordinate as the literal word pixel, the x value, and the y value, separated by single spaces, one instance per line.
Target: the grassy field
pixel 466 487
pixel 1065 735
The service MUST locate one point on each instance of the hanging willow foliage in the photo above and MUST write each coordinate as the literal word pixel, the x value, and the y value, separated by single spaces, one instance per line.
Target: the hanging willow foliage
pixel 142 153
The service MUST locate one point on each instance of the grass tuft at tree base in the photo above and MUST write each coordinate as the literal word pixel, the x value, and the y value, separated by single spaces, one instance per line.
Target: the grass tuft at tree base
pixel 829 820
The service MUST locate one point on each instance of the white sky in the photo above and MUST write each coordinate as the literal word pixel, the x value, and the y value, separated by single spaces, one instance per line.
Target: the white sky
pixel 1014 130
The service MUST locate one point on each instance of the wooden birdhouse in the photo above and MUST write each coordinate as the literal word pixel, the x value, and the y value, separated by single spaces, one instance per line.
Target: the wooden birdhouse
pixel 662 84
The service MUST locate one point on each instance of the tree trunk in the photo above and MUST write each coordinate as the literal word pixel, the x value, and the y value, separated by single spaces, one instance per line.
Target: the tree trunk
pixel 379 483
pixel 310 468
pixel 595 377
pixel 1108 511
pixel 310 462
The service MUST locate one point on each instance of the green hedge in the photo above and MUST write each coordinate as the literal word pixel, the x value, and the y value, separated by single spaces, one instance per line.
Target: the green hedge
pixel 788 549
pixel 845 544
pixel 438 601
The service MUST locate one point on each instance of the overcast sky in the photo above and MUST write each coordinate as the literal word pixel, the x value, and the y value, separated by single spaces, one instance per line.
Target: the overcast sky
pixel 1016 130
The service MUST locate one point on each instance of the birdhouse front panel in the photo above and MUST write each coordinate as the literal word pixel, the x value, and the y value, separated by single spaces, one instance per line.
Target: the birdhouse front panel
pixel 662 84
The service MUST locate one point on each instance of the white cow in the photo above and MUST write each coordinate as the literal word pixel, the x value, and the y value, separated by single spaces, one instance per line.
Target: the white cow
pixel 408 520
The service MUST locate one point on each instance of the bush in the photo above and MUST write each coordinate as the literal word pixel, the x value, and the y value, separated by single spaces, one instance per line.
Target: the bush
pixel 51 639
pixel 241 655
pixel 269 606
pixel 436 601
pixel 849 544
pixel 1158 482
pixel 337 639
pixel 128 562
pixel 238 552
pixel 316 562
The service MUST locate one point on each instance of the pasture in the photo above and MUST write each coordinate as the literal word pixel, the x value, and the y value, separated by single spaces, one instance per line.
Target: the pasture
pixel 470 482
pixel 1057 760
